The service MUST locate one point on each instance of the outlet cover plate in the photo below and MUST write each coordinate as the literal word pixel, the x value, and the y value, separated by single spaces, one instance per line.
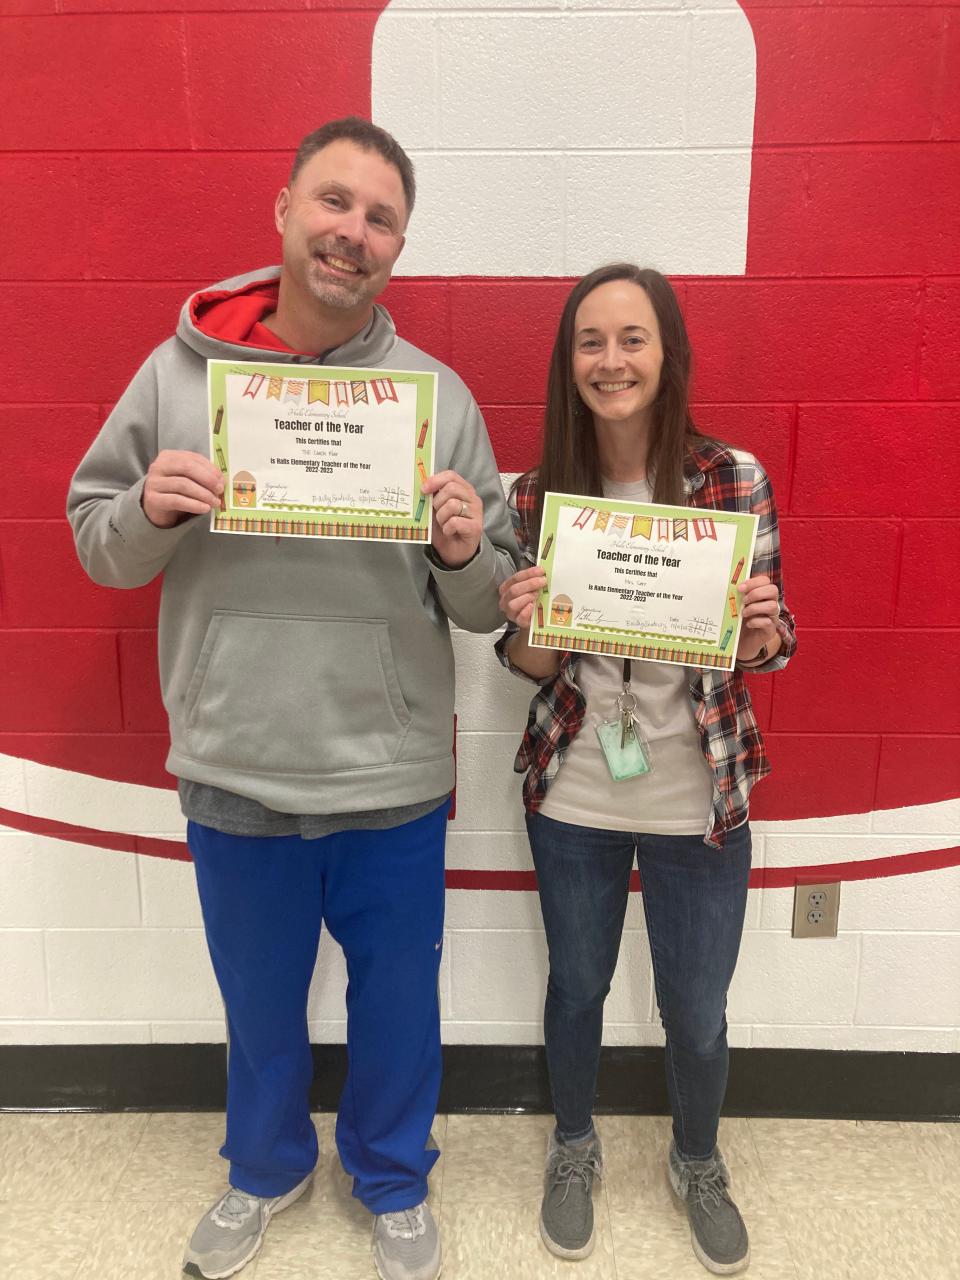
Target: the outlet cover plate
pixel 816 909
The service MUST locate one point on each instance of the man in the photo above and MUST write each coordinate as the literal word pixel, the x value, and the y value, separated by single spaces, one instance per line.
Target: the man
pixel 309 688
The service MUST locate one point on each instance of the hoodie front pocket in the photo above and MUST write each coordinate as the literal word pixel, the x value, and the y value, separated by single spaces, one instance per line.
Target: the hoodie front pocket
pixel 279 694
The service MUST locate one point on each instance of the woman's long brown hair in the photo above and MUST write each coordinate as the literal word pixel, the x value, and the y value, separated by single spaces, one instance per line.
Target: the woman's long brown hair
pixel 570 462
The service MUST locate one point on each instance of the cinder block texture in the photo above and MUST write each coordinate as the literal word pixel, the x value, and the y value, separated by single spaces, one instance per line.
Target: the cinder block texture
pixel 23 993
pixel 813 772
pixel 899 194
pixel 39 691
pixel 102 72
pixel 263 80
pixel 883 997
pixel 835 471
pixel 939 376
pixel 749 338
pixel 817 695
pixel 118 973
pixel 673 127
pixel 85 800
pixel 778 980
pixel 75 324
pixel 859 550
pixel 123 214
pixel 865 74
pixel 795 167
pixel 40 442
pixel 55 884
pixel 44 585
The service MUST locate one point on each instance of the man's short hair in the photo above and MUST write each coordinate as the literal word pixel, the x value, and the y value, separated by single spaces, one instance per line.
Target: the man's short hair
pixel 367 136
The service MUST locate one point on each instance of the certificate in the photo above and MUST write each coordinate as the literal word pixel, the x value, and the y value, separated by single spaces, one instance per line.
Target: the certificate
pixel 642 580
pixel 314 451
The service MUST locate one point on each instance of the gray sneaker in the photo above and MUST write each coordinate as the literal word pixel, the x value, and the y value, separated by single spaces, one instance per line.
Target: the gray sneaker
pixel 406 1244
pixel 717 1231
pixel 566 1215
pixel 231 1232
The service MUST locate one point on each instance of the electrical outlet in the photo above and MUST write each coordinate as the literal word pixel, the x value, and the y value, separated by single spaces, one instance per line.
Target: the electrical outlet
pixel 816 910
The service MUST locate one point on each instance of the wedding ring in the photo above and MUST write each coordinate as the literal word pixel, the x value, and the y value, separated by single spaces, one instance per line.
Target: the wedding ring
pixel 463 509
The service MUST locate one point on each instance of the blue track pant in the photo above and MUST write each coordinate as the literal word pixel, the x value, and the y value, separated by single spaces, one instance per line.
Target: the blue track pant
pixel 380 894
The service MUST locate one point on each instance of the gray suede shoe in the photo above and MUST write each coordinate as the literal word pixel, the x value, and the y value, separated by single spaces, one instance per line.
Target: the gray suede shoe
pixel 230 1233
pixel 717 1231
pixel 566 1215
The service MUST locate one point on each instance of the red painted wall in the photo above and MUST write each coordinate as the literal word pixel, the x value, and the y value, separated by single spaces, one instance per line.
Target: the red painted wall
pixel 140 152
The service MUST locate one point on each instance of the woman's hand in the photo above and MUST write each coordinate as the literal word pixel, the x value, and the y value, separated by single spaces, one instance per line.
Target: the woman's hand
pixel 518 598
pixel 760 610
pixel 518 594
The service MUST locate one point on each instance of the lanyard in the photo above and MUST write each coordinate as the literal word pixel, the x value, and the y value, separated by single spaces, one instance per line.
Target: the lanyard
pixel 626 706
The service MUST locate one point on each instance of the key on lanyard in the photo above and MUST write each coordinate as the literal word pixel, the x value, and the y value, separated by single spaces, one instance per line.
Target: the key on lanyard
pixel 627 706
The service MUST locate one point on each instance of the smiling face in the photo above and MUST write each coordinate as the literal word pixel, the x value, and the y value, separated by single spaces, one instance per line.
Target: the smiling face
pixel 342 220
pixel 617 354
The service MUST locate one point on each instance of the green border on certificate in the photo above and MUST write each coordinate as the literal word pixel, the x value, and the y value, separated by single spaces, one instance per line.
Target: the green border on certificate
pixel 642 580
pixel 323 452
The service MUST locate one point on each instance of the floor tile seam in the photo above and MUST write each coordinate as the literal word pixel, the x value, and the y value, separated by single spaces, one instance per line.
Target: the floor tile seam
pixel 190 1201
pixel 756 1151
pixel 613 1237
pixel 773 1210
pixel 943 1144
pixel 124 1165
pixel 768 1182
pixel 92 1243
pixel 498 1196
pixel 40 1199
pixel 850 1200
pixel 948 1209
pixel 440 1166
pixel 437 1195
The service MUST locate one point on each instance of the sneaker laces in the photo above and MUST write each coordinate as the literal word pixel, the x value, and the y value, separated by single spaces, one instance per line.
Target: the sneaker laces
pixel 234 1209
pixel 571 1168
pixel 405 1224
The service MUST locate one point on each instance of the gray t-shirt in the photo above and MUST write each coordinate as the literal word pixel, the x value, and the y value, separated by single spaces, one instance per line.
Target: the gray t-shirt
pixel 238 816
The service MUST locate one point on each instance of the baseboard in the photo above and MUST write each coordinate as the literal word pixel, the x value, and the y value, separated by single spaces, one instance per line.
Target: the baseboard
pixel 496 1078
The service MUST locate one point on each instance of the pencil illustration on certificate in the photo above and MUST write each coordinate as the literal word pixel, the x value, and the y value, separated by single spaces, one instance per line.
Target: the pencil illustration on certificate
pixel 642 580
pixel 314 451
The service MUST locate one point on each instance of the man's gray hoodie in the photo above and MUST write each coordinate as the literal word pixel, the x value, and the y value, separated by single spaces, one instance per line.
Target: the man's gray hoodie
pixel 314 676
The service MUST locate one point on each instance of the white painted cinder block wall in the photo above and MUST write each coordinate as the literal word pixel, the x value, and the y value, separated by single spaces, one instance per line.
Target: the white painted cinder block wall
pixel 102 947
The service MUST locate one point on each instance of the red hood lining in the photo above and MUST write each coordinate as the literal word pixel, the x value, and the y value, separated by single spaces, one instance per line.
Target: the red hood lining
pixel 232 315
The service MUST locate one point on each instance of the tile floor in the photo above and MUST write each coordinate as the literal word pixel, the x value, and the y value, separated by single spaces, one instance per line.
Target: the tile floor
pixel 105 1197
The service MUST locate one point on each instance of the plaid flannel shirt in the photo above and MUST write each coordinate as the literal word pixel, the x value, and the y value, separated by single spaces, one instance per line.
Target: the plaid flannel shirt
pixel 717 477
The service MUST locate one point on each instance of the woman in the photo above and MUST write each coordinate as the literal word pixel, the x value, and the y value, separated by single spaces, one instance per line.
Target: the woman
pixel 618 425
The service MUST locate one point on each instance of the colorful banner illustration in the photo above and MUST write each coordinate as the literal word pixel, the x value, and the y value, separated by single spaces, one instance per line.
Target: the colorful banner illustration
pixel 313 451
pixel 642 580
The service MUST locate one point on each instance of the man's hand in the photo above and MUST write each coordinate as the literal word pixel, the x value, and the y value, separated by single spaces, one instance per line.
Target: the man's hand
pixel 457 518
pixel 180 484
pixel 760 609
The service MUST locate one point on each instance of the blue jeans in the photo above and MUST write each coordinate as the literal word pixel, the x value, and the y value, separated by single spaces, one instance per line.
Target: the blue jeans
pixel 694 899
pixel 380 893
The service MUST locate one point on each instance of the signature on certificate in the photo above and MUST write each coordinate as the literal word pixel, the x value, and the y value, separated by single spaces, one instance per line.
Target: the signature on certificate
pixel 274 493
